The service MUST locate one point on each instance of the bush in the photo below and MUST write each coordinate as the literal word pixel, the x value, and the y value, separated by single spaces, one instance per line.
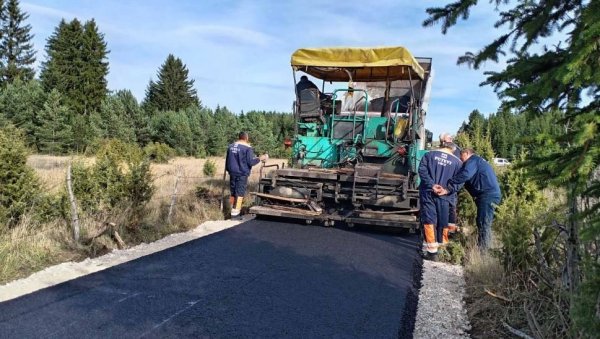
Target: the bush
pixel 532 256
pixel 159 152
pixel 19 186
pixel 210 168
pixel 120 178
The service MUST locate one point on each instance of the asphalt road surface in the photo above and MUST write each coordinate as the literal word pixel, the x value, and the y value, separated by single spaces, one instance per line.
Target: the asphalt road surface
pixel 260 279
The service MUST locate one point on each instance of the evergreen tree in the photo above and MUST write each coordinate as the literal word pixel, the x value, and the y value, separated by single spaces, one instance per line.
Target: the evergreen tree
pixel 53 132
pixel 16 49
pixel 173 90
pixel 476 120
pixel 136 116
pixel 223 131
pixel 19 186
pixel 173 129
pixel 95 69
pixel 76 65
pixel 87 130
pixel 261 132
pixel 114 121
pixel 199 119
pixel 61 68
pixel 19 102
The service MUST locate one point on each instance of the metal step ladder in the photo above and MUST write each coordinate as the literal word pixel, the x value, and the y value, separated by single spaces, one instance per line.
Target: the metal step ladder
pixel 365 172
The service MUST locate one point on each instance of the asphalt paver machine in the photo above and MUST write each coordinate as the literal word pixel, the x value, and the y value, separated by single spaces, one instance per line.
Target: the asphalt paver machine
pixel 358 140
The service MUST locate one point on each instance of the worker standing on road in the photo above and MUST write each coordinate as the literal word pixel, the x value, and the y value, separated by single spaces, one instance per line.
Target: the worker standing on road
pixel 436 168
pixel 481 182
pixel 238 163
pixel 447 139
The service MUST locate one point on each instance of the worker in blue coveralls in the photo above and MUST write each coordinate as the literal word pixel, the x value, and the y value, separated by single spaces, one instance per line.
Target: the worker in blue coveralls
pixel 238 163
pixel 447 139
pixel 436 168
pixel 478 177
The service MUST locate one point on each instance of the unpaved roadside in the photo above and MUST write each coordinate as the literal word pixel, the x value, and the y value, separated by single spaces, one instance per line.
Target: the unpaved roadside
pixel 441 312
pixel 70 270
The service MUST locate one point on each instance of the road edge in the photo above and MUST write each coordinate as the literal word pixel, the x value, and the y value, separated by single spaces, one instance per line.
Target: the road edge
pixel 64 272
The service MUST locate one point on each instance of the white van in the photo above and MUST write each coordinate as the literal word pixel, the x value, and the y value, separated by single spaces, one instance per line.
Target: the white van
pixel 501 162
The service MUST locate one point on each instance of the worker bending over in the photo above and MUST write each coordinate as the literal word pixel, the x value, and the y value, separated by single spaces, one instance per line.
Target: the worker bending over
pixel 482 184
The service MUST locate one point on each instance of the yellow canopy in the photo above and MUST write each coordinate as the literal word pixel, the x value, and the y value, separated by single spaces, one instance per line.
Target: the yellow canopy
pixel 365 64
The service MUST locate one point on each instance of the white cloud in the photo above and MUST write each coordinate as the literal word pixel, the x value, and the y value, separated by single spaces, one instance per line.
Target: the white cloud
pixel 222 33
pixel 46 11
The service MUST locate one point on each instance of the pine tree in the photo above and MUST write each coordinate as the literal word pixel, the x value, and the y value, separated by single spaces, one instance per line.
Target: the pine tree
pixel 173 90
pixel 19 102
pixel 53 133
pixel 16 49
pixel 260 131
pixel 19 186
pixel 223 131
pixel 63 60
pixel 173 129
pixel 475 119
pixel 114 122
pixel 138 119
pixel 76 65
pixel 95 68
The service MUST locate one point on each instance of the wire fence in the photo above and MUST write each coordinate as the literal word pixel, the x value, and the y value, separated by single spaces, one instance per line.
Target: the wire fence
pixel 169 195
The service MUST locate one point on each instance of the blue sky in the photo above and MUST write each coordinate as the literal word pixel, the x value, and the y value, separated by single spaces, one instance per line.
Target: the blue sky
pixel 238 52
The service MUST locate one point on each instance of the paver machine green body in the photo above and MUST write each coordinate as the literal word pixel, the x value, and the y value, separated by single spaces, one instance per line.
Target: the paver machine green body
pixel 357 145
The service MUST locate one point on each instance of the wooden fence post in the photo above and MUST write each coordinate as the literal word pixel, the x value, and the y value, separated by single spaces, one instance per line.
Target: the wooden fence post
pixel 174 197
pixel 74 217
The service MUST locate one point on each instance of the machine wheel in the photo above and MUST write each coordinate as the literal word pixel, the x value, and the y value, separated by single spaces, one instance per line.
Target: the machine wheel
pixel 350 224
pixel 308 221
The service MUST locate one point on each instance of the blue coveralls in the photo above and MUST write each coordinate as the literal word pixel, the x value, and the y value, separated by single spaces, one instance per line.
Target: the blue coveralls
pixel 453 216
pixel 436 167
pixel 239 161
pixel 480 181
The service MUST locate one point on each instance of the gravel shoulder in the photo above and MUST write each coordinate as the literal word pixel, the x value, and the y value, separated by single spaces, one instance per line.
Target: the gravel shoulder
pixel 70 270
pixel 441 312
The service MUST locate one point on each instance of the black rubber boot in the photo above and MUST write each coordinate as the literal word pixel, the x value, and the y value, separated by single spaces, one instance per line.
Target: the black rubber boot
pixel 431 256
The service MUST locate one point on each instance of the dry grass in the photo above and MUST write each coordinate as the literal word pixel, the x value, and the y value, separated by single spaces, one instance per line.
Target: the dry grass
pixel 31 246
pixel 484 273
pixel 486 281
pixel 52 171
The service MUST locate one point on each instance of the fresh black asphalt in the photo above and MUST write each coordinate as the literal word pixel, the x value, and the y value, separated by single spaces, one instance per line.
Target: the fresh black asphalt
pixel 260 279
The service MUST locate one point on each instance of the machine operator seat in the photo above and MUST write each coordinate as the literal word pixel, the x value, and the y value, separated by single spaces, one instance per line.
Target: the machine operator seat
pixel 310 104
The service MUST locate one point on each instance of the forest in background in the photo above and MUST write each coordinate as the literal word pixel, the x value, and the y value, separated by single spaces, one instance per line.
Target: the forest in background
pixel 68 108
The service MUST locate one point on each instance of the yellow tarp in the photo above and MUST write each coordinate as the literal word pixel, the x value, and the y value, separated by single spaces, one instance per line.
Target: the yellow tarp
pixel 365 64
